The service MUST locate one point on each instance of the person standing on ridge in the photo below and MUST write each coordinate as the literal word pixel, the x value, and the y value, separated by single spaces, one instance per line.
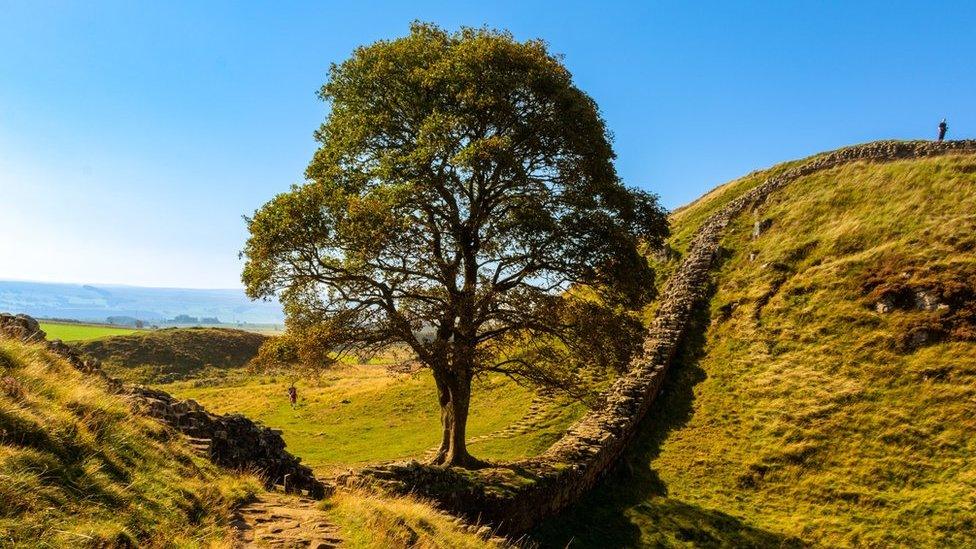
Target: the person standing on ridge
pixel 943 127
pixel 293 395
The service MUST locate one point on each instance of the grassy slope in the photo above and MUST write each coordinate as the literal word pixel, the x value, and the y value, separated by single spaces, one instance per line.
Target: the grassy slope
pixel 77 469
pixel 369 521
pixel 160 356
pixel 801 421
pixel 383 418
pixel 80 332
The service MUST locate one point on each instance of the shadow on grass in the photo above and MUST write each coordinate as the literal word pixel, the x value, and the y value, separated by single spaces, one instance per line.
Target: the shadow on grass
pixel 632 507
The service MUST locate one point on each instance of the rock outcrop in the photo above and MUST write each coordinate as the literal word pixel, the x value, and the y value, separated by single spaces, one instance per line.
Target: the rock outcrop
pixel 27 329
pixel 761 226
pixel 231 441
pixel 515 497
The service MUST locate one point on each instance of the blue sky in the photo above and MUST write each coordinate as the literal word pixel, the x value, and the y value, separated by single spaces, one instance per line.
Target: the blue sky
pixel 133 136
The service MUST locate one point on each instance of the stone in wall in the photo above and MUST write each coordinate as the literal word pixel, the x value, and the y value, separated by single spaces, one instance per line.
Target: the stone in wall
pixel 233 440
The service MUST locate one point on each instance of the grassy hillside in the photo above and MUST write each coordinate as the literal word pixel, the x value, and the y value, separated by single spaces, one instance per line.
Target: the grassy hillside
pixel 160 356
pixel 371 521
pixel 70 332
pixel 78 470
pixel 360 413
pixel 828 399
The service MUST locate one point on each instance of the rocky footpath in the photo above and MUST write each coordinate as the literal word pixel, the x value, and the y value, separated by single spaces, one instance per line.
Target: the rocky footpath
pixel 231 441
pixel 278 520
pixel 515 497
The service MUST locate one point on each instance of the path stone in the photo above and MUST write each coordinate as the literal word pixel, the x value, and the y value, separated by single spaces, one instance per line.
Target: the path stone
pixel 286 521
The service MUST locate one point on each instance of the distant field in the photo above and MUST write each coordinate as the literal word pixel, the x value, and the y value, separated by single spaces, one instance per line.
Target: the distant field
pixel 80 332
pixel 360 414
pixel 77 301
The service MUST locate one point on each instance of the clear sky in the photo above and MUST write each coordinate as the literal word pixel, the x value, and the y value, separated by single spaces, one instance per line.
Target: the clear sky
pixel 134 135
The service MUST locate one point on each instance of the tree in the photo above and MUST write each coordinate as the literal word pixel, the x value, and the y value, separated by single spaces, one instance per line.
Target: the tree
pixel 462 201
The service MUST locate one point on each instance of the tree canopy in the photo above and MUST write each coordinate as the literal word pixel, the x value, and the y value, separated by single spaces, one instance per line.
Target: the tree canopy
pixel 464 202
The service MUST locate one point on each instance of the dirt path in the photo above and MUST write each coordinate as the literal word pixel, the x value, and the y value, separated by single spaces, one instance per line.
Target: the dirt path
pixel 282 520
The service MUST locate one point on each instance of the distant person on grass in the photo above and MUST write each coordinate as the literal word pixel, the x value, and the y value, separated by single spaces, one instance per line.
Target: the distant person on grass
pixel 943 127
pixel 293 395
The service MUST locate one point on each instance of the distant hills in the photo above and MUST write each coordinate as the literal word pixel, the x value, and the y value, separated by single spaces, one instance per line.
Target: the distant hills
pixel 156 305
pixel 163 356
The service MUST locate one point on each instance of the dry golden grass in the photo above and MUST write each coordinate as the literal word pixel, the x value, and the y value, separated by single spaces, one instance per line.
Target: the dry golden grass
pixel 77 469
pixel 370 521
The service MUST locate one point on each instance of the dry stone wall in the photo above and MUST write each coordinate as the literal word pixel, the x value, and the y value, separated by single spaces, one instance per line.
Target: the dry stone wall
pixel 517 496
pixel 231 441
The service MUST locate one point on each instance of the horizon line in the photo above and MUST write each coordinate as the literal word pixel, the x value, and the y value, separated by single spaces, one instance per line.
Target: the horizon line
pixel 117 285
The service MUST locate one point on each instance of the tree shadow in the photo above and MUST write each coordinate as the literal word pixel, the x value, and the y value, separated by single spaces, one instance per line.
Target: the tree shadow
pixel 632 507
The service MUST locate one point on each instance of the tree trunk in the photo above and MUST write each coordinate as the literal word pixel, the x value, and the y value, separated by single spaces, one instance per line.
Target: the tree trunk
pixel 444 398
pixel 454 418
pixel 455 414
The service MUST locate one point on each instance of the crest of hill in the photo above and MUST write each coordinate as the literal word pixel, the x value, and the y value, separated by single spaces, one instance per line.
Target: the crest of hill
pixel 825 395
pixel 172 354
pixel 78 469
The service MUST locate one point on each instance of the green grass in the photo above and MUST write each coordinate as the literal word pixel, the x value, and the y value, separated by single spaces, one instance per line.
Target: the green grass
pixel 77 469
pixel 66 331
pixel 360 413
pixel 795 417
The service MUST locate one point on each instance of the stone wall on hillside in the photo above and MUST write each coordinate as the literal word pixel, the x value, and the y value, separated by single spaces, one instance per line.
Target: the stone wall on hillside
pixel 515 497
pixel 231 441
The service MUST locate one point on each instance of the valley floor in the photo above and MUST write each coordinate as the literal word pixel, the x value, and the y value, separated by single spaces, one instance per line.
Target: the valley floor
pixel 362 413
